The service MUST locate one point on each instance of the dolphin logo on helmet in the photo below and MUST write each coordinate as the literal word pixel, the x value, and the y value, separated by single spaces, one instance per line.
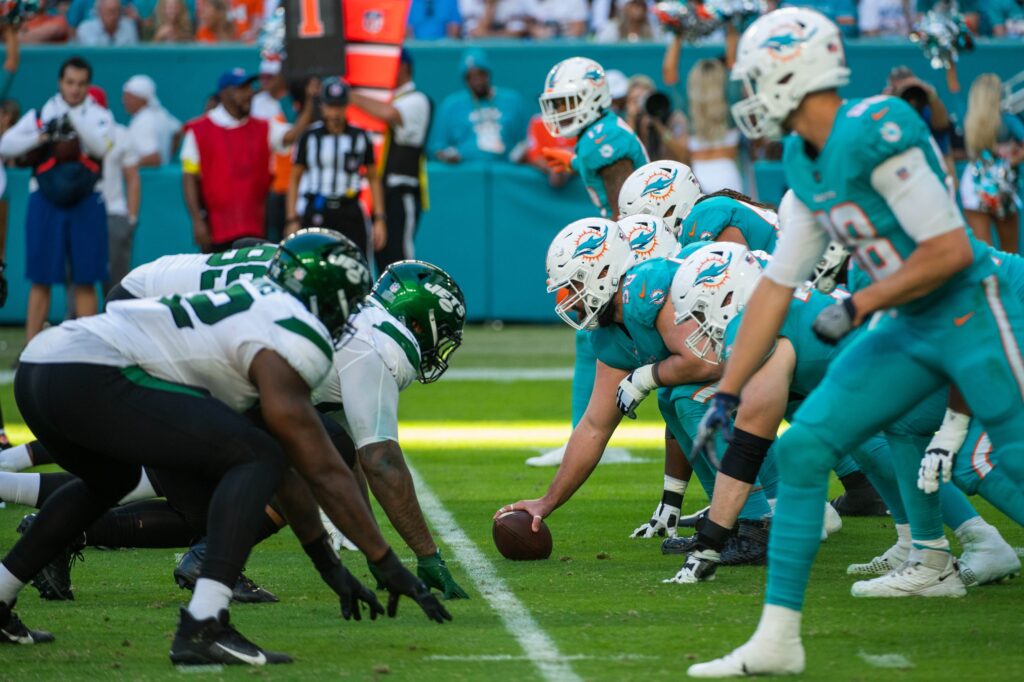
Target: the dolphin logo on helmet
pixel 659 184
pixel 712 272
pixel 591 245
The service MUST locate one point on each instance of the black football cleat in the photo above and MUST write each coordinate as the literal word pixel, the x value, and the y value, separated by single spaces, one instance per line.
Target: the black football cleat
pixel 860 502
pixel 13 631
pixel 680 544
pixel 213 641
pixel 54 580
pixel 749 546
pixel 690 520
pixel 245 591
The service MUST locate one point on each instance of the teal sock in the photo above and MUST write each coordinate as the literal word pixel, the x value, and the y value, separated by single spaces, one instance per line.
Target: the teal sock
pixel 956 508
pixel 846 466
pixel 756 506
pixel 583 375
pixel 1004 494
pixel 875 460
pixel 924 512
pixel 794 542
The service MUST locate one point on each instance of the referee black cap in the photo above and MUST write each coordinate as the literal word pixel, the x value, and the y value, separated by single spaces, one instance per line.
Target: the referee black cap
pixel 334 91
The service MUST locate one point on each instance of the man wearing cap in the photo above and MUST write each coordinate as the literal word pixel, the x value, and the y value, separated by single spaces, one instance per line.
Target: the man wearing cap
pixel 481 123
pixel 152 128
pixel 332 160
pixel 225 161
pixel 403 166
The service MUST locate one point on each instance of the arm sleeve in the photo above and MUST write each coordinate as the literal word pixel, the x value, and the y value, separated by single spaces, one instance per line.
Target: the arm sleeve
pixel 95 127
pixel 189 154
pixel 22 137
pixel 916 195
pixel 369 394
pixel 801 243
pixel 278 130
pixel 144 136
pixel 415 111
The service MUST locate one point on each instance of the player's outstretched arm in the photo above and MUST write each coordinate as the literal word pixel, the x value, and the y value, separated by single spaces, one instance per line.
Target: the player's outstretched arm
pixel 584 449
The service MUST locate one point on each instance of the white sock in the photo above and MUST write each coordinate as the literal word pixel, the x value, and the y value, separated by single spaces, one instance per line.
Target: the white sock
pixel 778 623
pixel 20 488
pixel 9 586
pixel 932 553
pixel 15 459
pixel 903 535
pixel 208 599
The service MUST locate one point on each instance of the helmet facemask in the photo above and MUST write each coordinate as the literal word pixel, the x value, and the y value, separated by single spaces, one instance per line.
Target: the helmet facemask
pixel 434 359
pixel 560 113
pixel 577 293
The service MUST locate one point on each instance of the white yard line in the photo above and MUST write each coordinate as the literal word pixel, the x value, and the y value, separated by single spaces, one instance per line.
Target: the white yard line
pixel 539 648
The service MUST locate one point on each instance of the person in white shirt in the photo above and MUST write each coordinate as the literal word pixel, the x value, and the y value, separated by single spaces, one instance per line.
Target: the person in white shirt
pixel 266 104
pixel 884 17
pixel 153 130
pixel 109 27
pixel 557 18
pixel 122 192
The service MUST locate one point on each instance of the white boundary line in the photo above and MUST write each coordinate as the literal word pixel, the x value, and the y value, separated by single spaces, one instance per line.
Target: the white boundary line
pixel 535 643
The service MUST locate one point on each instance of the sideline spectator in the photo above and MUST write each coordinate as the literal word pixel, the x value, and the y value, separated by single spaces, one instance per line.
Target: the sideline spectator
pixel 618 88
pixel 633 24
pixel 225 160
pixel 247 16
pixel 493 18
pixel 403 168
pixel 173 22
pixel 713 143
pixel 923 97
pixel 557 18
pixel 885 18
pixel 153 130
pixel 1005 17
pixel 332 159
pixel 108 28
pixel 122 193
pixel 80 10
pixel 47 26
pixel 434 20
pixel 66 216
pixel 479 123
pixel 537 140
pixel 266 104
pixel 215 25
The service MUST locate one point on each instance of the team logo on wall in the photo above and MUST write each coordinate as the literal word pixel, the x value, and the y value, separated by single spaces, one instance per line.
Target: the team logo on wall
pixel 373 21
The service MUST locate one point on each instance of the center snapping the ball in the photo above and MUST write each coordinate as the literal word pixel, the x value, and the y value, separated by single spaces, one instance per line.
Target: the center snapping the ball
pixel 515 540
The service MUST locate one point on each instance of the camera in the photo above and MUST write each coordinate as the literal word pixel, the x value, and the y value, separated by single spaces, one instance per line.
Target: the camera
pixel 657 105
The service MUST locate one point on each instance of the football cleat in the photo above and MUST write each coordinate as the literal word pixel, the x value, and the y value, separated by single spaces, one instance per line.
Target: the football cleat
pixel 914 579
pixel 691 520
pixel 551 458
pixel 759 656
pixel 53 581
pixel 245 591
pixel 699 567
pixel 882 564
pixel 860 502
pixel 214 641
pixel 749 547
pixel 680 544
pixel 986 558
pixel 833 522
pixel 13 631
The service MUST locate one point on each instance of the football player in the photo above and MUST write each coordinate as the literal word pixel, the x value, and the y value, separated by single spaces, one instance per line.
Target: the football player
pixel 867 173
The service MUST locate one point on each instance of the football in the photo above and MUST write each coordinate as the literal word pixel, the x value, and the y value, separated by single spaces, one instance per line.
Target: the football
pixel 515 540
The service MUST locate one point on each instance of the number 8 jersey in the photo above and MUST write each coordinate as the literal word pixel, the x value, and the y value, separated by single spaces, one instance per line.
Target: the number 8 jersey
pixel 205 340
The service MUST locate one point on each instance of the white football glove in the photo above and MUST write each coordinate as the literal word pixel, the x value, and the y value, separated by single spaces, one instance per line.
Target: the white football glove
pixel 662 523
pixel 941 453
pixel 634 388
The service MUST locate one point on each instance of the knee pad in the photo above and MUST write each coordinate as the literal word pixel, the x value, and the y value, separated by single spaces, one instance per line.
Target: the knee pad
pixel 744 456
pixel 804 457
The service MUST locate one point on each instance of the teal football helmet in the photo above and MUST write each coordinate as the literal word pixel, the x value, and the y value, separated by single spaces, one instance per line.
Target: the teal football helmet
pixel 430 304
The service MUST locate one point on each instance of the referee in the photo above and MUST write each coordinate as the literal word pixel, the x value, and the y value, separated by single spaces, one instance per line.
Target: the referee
pixel 331 161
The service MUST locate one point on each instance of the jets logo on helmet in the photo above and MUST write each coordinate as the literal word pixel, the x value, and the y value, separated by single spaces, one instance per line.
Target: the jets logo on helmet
pixel 591 245
pixel 664 189
pixel 714 271
pixel 648 237
pixel 446 299
pixel 787 40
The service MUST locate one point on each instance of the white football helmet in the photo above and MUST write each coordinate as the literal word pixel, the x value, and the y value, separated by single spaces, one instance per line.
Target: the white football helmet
pixel 648 237
pixel 826 272
pixel 781 58
pixel 575 95
pixel 585 262
pixel 712 287
pixel 666 189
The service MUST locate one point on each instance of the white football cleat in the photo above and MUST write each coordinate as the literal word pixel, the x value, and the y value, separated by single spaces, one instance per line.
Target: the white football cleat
pixel 337 538
pixel 759 656
pixel 700 567
pixel 880 565
pixel 551 458
pixel 914 579
pixel 833 522
pixel 986 558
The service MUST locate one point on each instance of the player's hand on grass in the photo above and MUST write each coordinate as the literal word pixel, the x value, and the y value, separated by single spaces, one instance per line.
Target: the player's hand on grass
pixel 835 321
pixel 433 571
pixel 663 522
pixel 399 581
pixel 558 160
pixel 538 509
pixel 938 460
pixel 352 594
pixel 377 575
pixel 716 419
pixel 632 390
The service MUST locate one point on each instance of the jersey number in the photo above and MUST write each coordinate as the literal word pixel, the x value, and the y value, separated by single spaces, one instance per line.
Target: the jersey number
pixel 210 307
pixel 848 223
pixel 247 262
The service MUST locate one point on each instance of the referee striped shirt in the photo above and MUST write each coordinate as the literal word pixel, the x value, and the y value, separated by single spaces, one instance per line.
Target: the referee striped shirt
pixel 335 164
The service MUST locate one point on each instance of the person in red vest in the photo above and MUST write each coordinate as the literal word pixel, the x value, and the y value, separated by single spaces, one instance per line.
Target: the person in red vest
pixel 225 159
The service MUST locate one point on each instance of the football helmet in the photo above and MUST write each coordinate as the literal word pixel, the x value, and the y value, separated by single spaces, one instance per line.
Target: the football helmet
pixel 665 189
pixel 584 263
pixel 826 272
pixel 711 287
pixel 781 58
pixel 648 237
pixel 575 95
pixel 428 302
pixel 326 271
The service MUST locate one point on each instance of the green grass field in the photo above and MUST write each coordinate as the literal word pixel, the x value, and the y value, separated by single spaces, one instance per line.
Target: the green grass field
pixel 599 599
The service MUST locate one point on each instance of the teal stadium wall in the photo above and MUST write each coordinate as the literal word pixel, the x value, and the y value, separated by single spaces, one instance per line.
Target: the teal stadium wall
pixel 489 225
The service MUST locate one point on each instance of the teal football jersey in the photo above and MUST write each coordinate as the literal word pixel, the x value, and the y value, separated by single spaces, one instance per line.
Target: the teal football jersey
pixel 836 187
pixel 601 144
pixel 645 291
pixel 614 348
pixel 708 217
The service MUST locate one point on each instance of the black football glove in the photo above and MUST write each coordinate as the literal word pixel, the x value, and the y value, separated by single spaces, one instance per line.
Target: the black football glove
pixel 398 581
pixel 351 593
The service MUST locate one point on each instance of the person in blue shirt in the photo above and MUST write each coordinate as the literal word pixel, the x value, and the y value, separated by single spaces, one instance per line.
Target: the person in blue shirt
pixel 482 122
pixel 434 19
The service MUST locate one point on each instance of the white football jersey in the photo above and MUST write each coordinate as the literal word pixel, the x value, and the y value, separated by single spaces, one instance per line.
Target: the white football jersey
pixel 198 271
pixel 206 340
pixel 373 363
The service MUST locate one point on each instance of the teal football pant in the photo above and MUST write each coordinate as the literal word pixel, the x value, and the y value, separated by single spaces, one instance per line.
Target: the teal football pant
pixel 583 376
pixel 977 471
pixel 969 340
